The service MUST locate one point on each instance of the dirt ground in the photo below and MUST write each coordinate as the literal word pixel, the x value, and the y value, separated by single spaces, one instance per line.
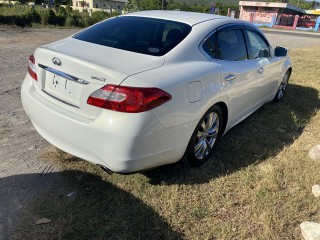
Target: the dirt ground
pixel 20 144
pixel 21 147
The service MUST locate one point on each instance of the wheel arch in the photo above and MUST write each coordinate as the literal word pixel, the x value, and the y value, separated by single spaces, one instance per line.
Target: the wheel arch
pixel 290 71
pixel 224 108
pixel 286 66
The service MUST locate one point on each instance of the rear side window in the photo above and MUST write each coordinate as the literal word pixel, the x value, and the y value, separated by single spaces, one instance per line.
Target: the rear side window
pixel 231 45
pixel 210 47
pixel 137 34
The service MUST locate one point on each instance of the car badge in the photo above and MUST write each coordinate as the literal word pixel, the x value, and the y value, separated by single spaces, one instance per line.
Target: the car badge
pixel 101 79
pixel 56 61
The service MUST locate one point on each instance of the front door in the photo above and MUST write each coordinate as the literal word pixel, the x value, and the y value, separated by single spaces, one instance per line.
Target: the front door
pixel 239 75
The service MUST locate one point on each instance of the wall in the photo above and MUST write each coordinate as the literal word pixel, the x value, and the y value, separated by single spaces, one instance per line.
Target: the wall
pixel 258 17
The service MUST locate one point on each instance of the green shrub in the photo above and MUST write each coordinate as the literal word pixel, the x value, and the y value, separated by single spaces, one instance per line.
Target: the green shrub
pixel 62 12
pixel 18 15
pixel 99 16
pixel 69 9
pixel 44 16
pixel 74 20
pixel 33 16
pixel 48 16
pixel 25 16
pixel 70 21
pixel 21 21
pixel 88 21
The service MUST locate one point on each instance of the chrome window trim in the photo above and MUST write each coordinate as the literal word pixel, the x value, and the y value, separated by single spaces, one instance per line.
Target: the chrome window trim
pixel 65 75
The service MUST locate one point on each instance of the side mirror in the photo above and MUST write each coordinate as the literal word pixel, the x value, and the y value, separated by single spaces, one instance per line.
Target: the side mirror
pixel 264 53
pixel 281 51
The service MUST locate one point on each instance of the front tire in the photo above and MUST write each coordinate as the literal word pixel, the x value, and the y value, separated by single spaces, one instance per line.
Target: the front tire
pixel 283 87
pixel 205 137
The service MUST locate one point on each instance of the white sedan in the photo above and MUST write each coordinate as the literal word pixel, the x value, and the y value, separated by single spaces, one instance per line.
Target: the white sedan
pixel 144 89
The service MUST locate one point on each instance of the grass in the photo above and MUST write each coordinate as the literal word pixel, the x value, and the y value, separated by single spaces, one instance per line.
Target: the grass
pixel 256 186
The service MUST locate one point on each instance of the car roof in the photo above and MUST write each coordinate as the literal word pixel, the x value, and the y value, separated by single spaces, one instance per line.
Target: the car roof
pixel 190 18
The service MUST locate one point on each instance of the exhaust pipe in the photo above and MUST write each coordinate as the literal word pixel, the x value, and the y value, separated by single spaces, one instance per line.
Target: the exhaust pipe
pixel 107 170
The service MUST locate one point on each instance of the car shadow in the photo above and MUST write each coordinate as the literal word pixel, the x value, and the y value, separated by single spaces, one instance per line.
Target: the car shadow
pixel 261 136
pixel 80 205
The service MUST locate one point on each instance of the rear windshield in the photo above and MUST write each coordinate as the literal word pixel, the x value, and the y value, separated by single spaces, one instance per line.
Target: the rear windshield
pixel 137 34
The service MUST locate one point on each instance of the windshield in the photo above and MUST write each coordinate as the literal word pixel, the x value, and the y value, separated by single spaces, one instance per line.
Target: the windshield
pixel 137 34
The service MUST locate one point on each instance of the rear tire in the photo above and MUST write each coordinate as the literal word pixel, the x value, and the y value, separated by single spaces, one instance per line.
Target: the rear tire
pixel 205 137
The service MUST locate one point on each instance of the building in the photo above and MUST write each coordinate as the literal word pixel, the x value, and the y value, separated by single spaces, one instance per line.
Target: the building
pixel 279 15
pixel 310 19
pixel 265 12
pixel 98 5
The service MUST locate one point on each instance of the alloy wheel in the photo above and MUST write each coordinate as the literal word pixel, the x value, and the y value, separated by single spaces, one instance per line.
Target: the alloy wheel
pixel 206 135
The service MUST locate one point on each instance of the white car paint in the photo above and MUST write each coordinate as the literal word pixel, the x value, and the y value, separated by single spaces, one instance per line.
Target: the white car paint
pixel 128 142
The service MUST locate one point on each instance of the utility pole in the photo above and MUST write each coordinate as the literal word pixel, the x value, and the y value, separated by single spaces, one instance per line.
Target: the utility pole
pixel 162 4
pixel 82 8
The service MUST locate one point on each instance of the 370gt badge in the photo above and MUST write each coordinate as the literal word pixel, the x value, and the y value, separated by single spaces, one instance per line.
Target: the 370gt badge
pixel 56 61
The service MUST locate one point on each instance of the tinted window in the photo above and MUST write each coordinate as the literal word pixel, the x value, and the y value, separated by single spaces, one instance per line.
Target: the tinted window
pixel 137 34
pixel 231 45
pixel 257 46
pixel 209 46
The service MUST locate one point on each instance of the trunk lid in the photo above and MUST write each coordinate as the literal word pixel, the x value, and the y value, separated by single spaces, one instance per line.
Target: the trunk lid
pixel 70 70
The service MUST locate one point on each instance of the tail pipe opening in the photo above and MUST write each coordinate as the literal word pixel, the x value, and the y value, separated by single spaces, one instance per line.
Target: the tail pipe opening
pixel 107 170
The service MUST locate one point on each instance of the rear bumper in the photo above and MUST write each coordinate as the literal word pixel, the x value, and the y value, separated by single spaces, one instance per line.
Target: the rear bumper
pixel 121 142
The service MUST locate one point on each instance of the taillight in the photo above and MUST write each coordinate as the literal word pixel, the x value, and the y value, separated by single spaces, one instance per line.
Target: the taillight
pixel 128 99
pixel 32 67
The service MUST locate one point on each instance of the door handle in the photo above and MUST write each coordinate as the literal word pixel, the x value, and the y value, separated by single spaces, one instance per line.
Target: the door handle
pixel 230 77
pixel 260 70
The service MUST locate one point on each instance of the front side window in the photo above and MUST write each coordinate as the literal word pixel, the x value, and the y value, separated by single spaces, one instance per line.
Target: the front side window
pixel 257 46
pixel 231 45
pixel 137 34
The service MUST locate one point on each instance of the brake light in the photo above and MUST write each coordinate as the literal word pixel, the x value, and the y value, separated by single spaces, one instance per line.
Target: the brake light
pixel 128 99
pixel 32 67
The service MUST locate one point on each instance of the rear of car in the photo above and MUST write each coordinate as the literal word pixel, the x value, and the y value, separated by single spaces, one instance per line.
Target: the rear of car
pixel 75 97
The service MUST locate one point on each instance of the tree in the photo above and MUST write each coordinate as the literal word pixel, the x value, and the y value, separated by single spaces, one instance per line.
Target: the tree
pixel 132 6
pixel 302 4
pixel 150 4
